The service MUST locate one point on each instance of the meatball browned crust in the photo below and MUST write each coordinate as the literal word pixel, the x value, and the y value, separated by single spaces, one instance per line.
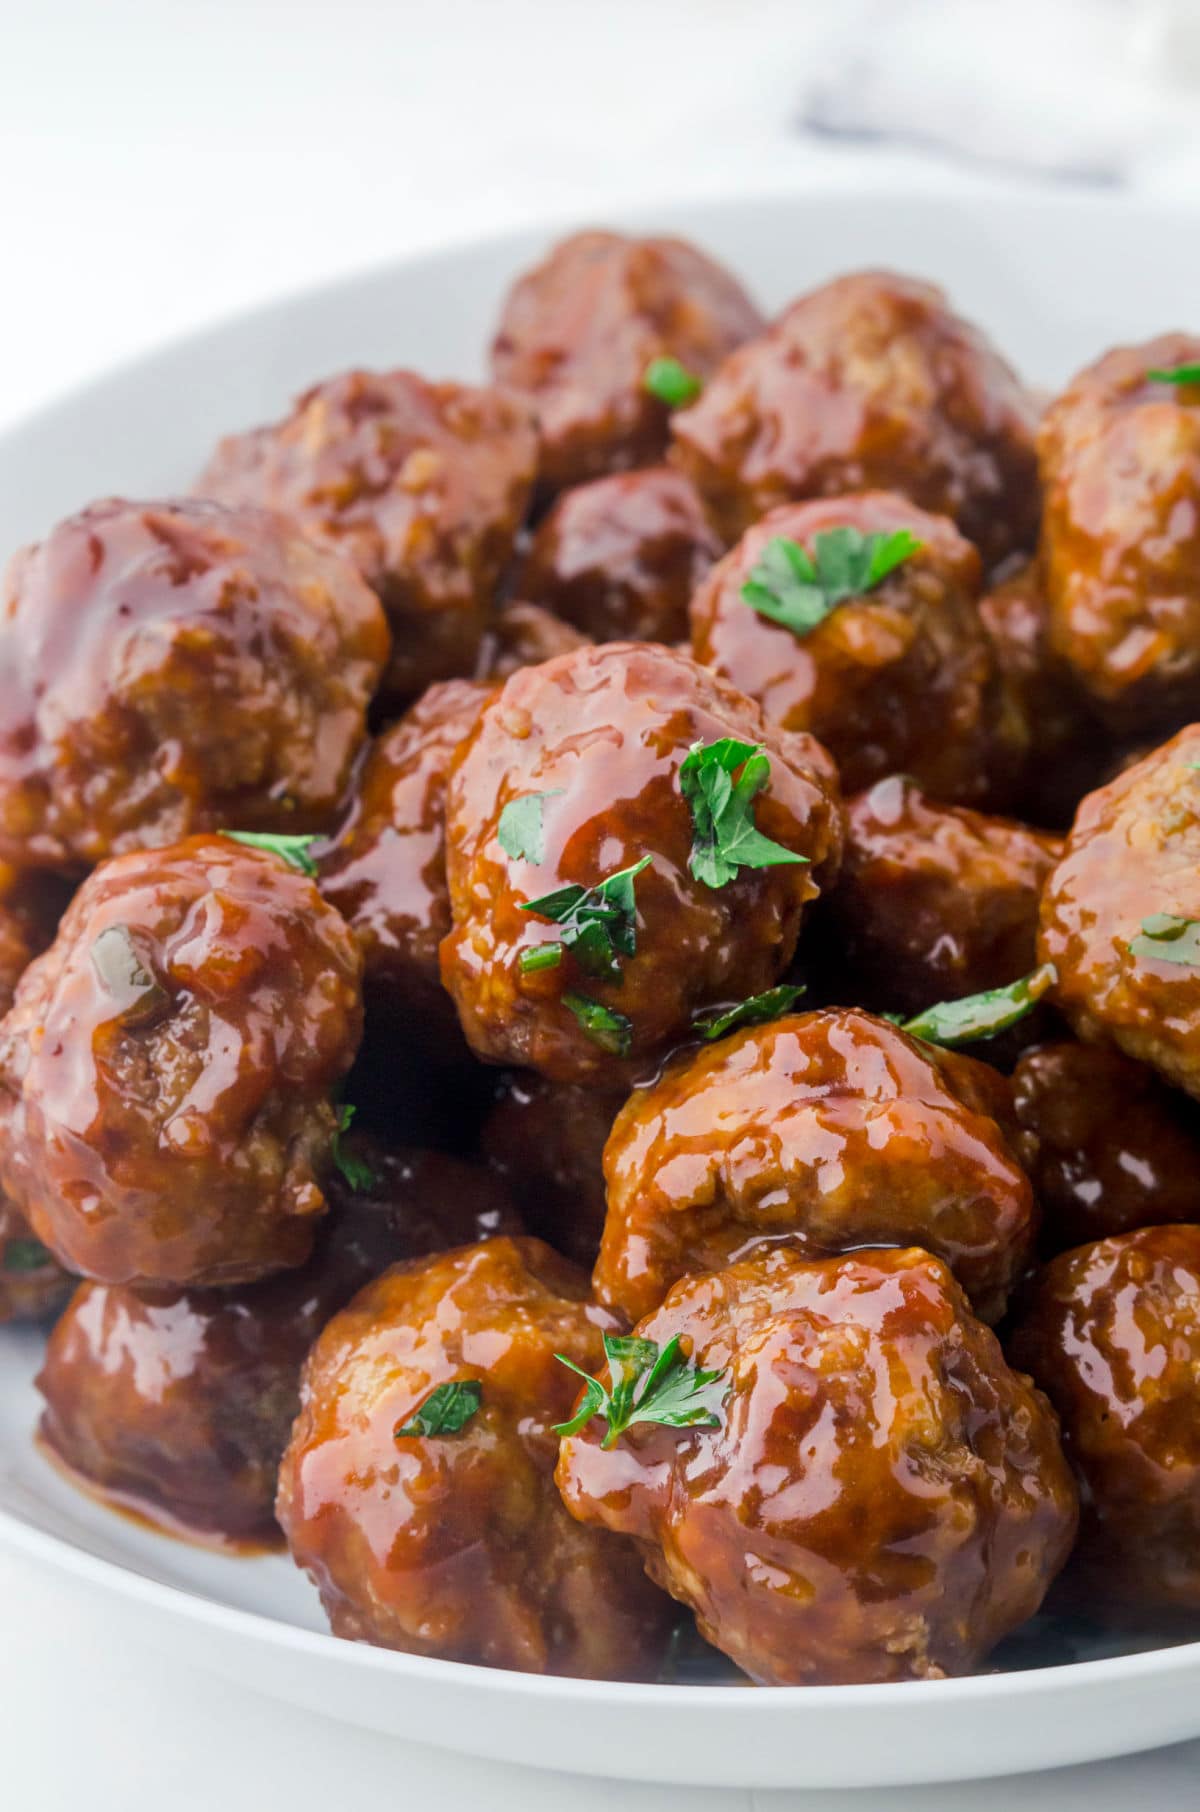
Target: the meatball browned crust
pixel 869 383
pixel 825 1130
pixel 883 1500
pixel 1112 1335
pixel 177 667
pixel 522 635
pixel 1119 903
pixel 901 678
pixel 166 1067
pixel 421 486
pixel 457 1544
pixel 601 736
pixel 621 557
pixel 1120 457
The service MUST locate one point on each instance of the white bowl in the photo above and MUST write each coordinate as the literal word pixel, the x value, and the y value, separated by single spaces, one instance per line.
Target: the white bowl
pixel 1055 281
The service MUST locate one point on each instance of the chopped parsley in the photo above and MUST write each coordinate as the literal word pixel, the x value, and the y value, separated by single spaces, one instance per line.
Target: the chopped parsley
pixel 358 1174
pixel 724 837
pixel 1177 374
pixel 613 1032
pixel 445 1410
pixel 25 1255
pixel 1167 939
pixel 671 382
pixel 598 925
pixel 756 1010
pixel 292 850
pixel 520 832
pixel 646 1384
pixel 799 590
pixel 975 1016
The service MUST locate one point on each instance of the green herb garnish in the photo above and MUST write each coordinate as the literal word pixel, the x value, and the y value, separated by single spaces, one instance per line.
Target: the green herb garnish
pixel 1178 374
pixel 799 590
pixel 671 382
pixel 598 925
pixel 724 838
pixel 358 1174
pixel 611 1031
pixel 25 1255
pixel 757 1010
pixel 955 1022
pixel 520 832
pixel 444 1411
pixel 1167 939
pixel 671 1391
pixel 292 850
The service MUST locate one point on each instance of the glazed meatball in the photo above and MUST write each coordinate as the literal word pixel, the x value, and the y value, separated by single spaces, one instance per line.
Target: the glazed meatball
pixel 1113 1337
pixel 868 383
pixel 826 1130
pixel 1117 914
pixel 386 870
pixel 883 1499
pixel 421 486
pixel 16 954
pixel 172 668
pixel 545 1140
pixel 934 901
pixel 1120 458
pixel 1113 1149
pixel 456 1544
pixel 578 331
pixel 621 557
pixel 522 635
pixel 179 1403
pixel 899 678
pixel 32 1282
pixel 166 1068
pixel 600 736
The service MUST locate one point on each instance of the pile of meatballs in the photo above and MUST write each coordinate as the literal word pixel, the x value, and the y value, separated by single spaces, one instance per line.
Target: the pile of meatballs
pixel 601 986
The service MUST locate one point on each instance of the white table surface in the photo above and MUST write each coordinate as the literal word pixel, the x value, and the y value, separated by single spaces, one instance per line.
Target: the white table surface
pixel 163 162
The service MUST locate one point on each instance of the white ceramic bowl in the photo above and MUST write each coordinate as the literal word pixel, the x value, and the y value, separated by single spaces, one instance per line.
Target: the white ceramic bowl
pixel 1055 281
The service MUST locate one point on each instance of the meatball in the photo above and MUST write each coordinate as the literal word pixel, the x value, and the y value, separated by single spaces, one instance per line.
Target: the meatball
pixel 933 901
pixel 1112 1148
pixel 868 383
pixel 421 486
pixel 578 331
pixel 546 1140
pixel 179 1403
pixel 1120 458
pixel 825 1130
pixel 32 1283
pixel 1113 1337
pixel 522 635
pixel 621 557
pixel 173 668
pixel 1119 912
pixel 600 737
pixel 386 870
pixel 883 1499
pixel 166 1068
pixel 899 678
pixel 456 1544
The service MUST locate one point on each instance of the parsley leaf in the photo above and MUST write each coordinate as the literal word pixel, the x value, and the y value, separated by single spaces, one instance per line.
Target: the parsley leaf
pixel 292 850
pixel 598 924
pixel 357 1174
pixel 24 1255
pixel 520 832
pixel 444 1411
pixel 671 1392
pixel 756 1010
pixel 799 590
pixel 671 382
pixel 955 1022
pixel 724 838
pixel 1178 374
pixel 611 1031
pixel 1167 939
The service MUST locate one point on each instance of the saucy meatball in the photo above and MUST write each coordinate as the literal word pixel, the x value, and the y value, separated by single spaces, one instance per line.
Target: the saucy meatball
pixel 1120 457
pixel 166 1067
pixel 883 1498
pixel 386 870
pixel 1113 1337
pixel 421 486
pixel 621 557
pixel 934 901
pixel 522 635
pixel 456 1543
pixel 578 331
pixel 869 382
pixel 1119 912
pixel 1112 1148
pixel 546 1141
pixel 900 677
pixel 32 1282
pixel 179 1403
pixel 177 667
pixel 826 1130
pixel 599 739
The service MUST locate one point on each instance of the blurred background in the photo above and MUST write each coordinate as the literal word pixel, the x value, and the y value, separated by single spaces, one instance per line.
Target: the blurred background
pixel 165 164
